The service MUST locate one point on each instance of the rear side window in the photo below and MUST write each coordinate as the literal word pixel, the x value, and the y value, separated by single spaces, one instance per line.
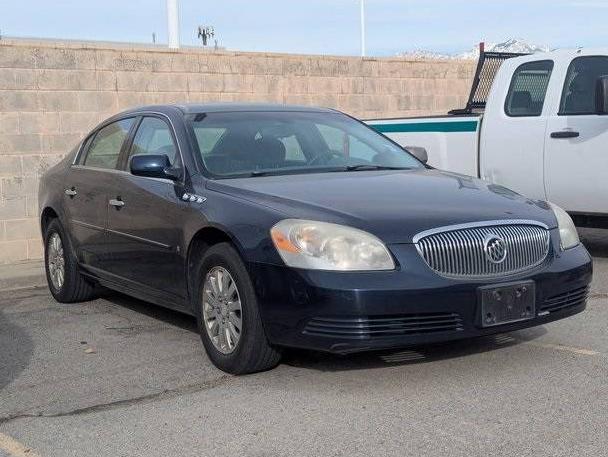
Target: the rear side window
pixel 528 89
pixel 104 150
pixel 578 96
pixel 154 137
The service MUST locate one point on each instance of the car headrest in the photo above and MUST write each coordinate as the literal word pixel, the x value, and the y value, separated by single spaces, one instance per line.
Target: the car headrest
pixel 269 152
pixel 236 145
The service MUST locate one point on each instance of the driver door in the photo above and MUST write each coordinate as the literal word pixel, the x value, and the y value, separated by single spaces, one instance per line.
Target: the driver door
pixel 145 217
pixel 576 147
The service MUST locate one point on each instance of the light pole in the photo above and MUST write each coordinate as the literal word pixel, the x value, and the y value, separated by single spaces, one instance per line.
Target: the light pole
pixel 173 23
pixel 362 27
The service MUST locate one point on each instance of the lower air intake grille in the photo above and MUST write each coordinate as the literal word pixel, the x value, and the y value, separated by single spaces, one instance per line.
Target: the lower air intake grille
pixel 383 327
pixel 575 297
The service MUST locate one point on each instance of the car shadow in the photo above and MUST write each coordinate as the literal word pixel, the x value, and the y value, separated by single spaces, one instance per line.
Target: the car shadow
pixel 595 240
pixel 16 350
pixel 323 361
pixel 409 356
pixel 166 315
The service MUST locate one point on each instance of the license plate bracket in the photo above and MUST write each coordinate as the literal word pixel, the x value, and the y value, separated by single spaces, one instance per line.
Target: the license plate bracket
pixel 506 303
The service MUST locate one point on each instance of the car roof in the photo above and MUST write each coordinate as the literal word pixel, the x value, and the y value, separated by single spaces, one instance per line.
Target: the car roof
pixel 195 108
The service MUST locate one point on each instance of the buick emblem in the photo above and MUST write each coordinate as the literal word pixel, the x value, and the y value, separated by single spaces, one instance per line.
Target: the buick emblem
pixel 495 248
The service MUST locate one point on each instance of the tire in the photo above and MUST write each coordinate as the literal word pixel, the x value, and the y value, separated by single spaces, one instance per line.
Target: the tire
pixel 74 287
pixel 252 352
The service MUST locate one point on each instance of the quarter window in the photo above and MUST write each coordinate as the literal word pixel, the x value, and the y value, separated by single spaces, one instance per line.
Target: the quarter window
pixel 578 96
pixel 104 150
pixel 154 137
pixel 528 89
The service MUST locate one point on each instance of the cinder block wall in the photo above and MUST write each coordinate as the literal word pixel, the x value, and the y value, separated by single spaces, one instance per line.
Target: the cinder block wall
pixel 52 93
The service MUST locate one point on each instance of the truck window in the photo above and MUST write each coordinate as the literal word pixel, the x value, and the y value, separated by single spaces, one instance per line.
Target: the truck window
pixel 578 95
pixel 528 88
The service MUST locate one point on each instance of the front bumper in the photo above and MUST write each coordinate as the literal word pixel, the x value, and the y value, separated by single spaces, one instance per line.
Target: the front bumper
pixel 349 312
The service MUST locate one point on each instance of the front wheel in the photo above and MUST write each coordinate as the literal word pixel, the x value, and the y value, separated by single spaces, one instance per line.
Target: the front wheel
pixel 227 313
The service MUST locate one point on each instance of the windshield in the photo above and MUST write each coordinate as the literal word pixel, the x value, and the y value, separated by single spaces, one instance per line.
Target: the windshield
pixel 258 143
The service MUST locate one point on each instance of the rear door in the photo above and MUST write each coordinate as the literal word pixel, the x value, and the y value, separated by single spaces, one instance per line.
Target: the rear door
pixel 513 131
pixel 576 155
pixel 145 217
pixel 87 184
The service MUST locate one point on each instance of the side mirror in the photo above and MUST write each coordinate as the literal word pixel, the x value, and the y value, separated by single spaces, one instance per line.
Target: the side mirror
pixel 601 95
pixel 153 166
pixel 418 152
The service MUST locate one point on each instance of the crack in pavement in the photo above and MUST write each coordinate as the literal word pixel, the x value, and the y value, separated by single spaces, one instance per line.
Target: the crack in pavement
pixel 144 399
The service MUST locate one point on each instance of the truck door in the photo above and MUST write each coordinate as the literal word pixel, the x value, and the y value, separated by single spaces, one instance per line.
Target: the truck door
pixel 576 147
pixel 513 130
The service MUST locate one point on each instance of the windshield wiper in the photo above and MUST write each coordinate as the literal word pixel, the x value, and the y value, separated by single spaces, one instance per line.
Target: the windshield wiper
pixel 302 170
pixel 365 166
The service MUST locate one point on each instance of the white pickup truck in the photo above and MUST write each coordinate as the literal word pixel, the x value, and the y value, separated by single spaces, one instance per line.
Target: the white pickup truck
pixel 537 124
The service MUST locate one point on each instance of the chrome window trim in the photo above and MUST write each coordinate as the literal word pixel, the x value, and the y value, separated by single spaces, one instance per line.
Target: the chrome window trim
pixel 449 228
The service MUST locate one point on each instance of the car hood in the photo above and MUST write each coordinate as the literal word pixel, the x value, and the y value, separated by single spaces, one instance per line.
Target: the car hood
pixel 393 205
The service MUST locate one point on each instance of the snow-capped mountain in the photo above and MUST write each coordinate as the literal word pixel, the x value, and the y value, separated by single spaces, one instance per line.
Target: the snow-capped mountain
pixel 512 45
pixel 423 54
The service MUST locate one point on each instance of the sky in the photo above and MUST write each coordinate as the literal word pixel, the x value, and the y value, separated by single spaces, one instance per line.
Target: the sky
pixel 318 26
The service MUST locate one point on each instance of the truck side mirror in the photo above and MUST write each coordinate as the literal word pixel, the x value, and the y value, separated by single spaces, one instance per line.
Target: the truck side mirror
pixel 418 152
pixel 601 95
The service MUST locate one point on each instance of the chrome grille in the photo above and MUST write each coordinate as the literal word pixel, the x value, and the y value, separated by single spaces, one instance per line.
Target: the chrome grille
pixel 460 251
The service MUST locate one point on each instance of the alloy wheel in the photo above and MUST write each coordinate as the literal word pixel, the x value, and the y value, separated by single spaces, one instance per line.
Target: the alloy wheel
pixel 222 312
pixel 56 261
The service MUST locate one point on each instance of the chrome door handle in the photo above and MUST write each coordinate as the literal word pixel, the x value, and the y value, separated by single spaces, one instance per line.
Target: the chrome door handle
pixel 117 203
pixel 71 192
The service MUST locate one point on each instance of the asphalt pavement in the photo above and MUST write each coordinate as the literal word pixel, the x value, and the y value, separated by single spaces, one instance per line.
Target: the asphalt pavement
pixel 119 377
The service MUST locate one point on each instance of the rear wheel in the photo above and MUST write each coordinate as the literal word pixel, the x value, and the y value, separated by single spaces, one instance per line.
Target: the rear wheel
pixel 227 313
pixel 66 283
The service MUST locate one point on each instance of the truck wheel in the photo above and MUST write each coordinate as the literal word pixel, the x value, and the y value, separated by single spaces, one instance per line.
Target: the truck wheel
pixel 227 314
pixel 66 283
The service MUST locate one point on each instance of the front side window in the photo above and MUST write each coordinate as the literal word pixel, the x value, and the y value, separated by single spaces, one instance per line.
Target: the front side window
pixel 528 89
pixel 105 147
pixel 578 95
pixel 154 137
pixel 255 143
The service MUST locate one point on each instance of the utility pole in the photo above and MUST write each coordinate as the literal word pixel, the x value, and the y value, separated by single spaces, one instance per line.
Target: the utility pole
pixel 173 23
pixel 362 27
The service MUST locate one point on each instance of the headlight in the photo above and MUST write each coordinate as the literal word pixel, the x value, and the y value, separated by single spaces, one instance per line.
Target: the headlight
pixel 567 231
pixel 322 246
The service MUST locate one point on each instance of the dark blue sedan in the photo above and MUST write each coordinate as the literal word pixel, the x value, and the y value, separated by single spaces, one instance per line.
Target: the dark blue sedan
pixel 286 226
